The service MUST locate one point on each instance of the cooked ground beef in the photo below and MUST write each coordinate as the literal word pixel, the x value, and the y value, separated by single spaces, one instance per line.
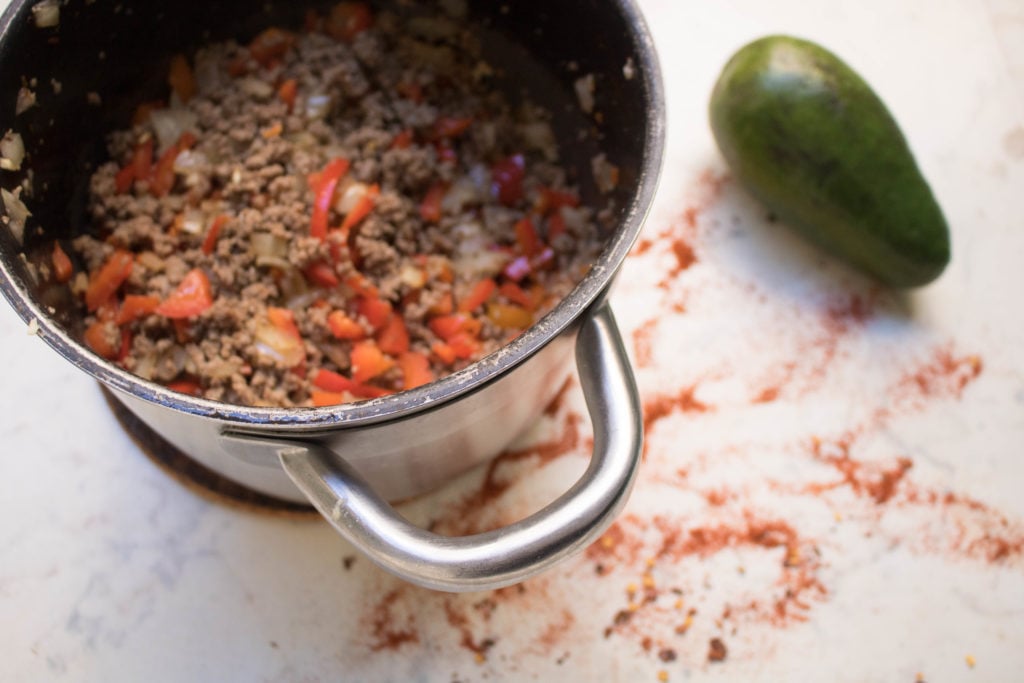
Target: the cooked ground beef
pixel 327 216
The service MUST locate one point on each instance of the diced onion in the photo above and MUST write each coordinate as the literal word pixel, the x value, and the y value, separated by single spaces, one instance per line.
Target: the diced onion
pixel 279 345
pixel 265 244
pixel 606 174
pixel 575 219
pixel 318 106
pixel 461 194
pixel 257 88
pixel 190 160
pixel 194 222
pixel 169 124
pixel 17 213
pixel 46 13
pixel 585 92
pixel 348 199
pixel 474 258
pixel 540 137
pixel 412 276
pixel 26 100
pixel 12 151
pixel 273 262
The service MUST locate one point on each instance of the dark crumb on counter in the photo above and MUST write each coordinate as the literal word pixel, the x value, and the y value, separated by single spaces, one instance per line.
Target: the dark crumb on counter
pixel 348 561
pixel 667 655
pixel 717 650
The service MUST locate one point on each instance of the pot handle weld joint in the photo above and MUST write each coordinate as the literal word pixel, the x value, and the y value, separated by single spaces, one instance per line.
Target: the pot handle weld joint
pixel 515 552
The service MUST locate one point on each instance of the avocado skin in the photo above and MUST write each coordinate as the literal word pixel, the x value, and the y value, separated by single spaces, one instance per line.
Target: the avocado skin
pixel 809 138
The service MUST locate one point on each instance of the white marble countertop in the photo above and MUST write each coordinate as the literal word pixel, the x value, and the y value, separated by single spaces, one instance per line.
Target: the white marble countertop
pixel 833 474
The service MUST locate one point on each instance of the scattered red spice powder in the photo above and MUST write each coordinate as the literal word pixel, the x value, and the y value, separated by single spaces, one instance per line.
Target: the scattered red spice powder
pixel 877 481
pixel 658 552
pixel 386 633
pixel 642 355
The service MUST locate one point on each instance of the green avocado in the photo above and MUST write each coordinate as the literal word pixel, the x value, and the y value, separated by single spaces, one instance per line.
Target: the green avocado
pixel 811 140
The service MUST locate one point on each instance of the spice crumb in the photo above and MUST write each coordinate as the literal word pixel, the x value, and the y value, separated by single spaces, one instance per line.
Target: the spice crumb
pixel 970 661
pixel 919 678
pixel 662 676
pixel 480 659
pixel 717 650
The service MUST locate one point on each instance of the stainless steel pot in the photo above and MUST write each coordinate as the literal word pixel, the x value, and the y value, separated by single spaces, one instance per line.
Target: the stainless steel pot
pixel 348 460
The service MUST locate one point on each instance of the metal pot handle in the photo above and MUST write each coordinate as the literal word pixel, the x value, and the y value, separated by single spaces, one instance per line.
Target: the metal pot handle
pixel 513 553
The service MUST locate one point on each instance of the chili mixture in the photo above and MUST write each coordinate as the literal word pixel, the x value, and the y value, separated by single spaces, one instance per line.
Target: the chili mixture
pixel 327 215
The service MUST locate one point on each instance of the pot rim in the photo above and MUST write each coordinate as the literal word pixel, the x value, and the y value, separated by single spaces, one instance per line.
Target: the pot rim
pixel 590 289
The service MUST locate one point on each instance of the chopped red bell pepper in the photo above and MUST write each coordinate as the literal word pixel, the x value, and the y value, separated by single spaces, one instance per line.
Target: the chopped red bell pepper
pixel 284 320
pixel 516 294
pixel 480 293
pixel 362 286
pixel 344 327
pixel 448 127
pixel 192 297
pixel 62 266
pixel 181 78
pixel 362 208
pixel 289 92
pixel 322 274
pixel 415 369
pixel 135 306
pixel 100 337
pixel 142 160
pixel 105 282
pixel 509 316
pixel 186 386
pixel 430 207
pixel 394 337
pixel 347 20
pixel 556 226
pixel 507 179
pixel 444 352
pixel 402 140
pixel 162 181
pixel 448 326
pixel 464 345
pixel 213 233
pixel 526 235
pixel 376 311
pixel 549 201
pixel 323 399
pixel 270 45
pixel 123 179
pixel 324 186
pixel 368 361
pixel 332 381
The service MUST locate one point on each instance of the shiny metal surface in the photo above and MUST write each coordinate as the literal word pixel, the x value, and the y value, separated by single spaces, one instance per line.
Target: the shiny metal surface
pixel 510 554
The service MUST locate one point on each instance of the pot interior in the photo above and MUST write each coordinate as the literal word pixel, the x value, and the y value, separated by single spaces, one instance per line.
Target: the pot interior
pixel 92 70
